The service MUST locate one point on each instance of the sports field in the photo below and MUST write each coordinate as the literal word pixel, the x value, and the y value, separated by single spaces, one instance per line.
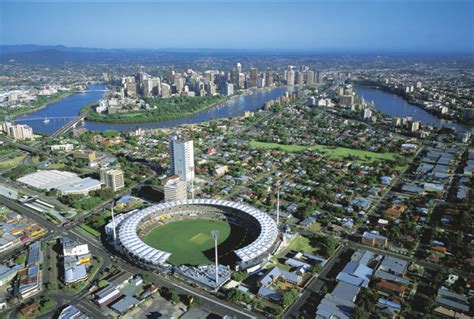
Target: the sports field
pixel 335 152
pixel 187 239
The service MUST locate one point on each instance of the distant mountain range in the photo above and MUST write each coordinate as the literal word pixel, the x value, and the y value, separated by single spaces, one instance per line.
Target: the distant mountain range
pixel 60 54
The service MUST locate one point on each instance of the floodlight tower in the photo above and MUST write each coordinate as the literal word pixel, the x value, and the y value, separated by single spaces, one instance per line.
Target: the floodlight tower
pixel 113 221
pixel 215 235
pixel 278 206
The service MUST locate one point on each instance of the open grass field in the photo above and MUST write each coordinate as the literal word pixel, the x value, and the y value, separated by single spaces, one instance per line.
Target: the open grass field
pixel 336 152
pixel 187 239
pixel 303 245
pixel 10 163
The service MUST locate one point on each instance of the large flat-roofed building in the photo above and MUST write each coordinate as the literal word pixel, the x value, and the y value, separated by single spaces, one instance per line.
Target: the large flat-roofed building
pixel 67 183
pixel 113 178
pixel 175 189
pixel 82 187
pixel 50 179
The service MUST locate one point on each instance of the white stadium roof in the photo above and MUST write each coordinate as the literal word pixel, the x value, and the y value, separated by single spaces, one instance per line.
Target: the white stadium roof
pixel 130 241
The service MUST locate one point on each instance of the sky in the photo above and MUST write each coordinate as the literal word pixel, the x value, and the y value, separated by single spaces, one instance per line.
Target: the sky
pixel 352 26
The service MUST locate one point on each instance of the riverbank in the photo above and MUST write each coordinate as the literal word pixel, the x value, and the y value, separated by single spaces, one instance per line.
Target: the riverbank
pixel 23 110
pixel 181 107
pixel 401 93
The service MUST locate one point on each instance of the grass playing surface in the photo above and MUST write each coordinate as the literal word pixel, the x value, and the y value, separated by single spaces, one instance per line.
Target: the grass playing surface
pixel 336 152
pixel 187 239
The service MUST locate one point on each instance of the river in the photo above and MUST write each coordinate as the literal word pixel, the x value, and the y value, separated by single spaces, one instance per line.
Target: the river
pixel 61 112
pixel 394 105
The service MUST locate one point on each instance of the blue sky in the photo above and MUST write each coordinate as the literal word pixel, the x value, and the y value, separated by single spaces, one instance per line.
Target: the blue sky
pixel 401 26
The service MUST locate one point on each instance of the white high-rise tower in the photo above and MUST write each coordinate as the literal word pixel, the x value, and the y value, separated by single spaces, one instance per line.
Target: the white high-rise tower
pixel 182 158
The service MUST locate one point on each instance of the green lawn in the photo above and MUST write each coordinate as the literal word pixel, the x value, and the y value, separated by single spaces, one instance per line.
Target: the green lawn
pixel 88 230
pixel 187 239
pixel 10 163
pixel 301 244
pixel 336 152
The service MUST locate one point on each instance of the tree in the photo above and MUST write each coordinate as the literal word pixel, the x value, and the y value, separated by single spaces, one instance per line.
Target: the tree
pixel 328 245
pixel 289 297
pixel 240 275
pixel 173 295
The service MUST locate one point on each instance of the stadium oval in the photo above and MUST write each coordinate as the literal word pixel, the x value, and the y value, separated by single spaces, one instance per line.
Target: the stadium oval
pixel 130 243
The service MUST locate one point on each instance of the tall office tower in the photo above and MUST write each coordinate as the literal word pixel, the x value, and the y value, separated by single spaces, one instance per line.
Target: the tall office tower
pixel 241 81
pixel 175 188
pixel 253 77
pixel 300 78
pixel 171 143
pixel 319 77
pixel 171 75
pixel 239 68
pixel 112 178
pixel 179 82
pixel 269 79
pixel 165 90
pixel 208 75
pixel 310 76
pixel 290 77
pixel 140 77
pixel 131 89
pixel 228 89
pixel 147 87
pixel 211 88
pixel 182 157
pixel 156 86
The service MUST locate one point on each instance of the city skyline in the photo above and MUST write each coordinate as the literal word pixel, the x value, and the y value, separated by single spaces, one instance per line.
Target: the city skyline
pixel 346 26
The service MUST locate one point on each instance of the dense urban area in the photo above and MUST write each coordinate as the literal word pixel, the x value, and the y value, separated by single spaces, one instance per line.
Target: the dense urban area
pixel 236 186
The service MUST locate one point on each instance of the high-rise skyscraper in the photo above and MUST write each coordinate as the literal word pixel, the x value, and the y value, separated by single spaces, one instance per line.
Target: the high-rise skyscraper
pixel 182 158
pixel 253 77
pixel 269 78
pixel 310 76
pixel 290 76
pixel 300 78
pixel 147 87
pixel 319 77
pixel 239 68
pixel 241 81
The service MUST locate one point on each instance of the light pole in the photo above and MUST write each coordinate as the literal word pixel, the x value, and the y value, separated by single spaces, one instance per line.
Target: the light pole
pixel 278 207
pixel 215 235
pixel 113 221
